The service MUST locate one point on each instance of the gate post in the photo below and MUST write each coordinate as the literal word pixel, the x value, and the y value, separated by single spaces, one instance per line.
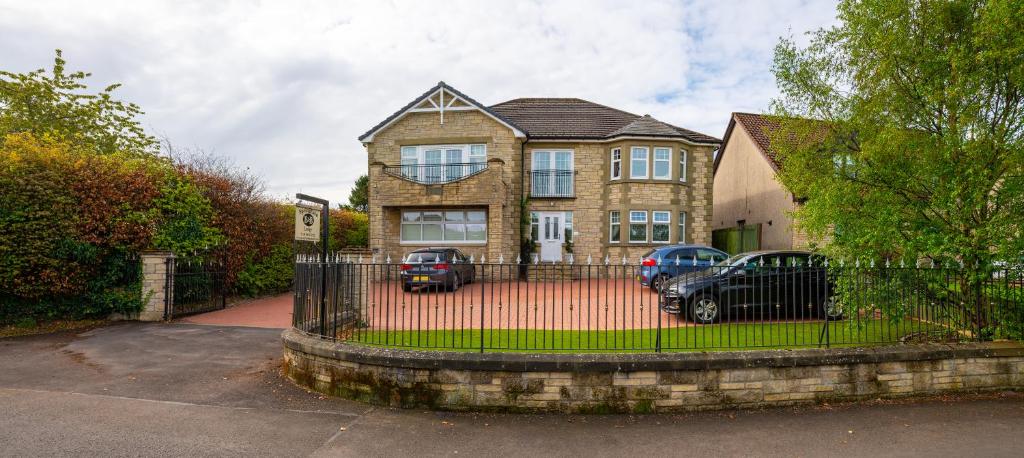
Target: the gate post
pixel 157 285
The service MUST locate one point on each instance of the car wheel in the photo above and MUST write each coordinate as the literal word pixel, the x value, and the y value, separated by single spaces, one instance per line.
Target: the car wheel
pixel 406 287
pixel 832 309
pixel 705 309
pixel 658 282
pixel 456 282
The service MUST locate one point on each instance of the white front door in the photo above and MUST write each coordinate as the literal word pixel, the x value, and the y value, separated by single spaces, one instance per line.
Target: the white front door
pixel 550 236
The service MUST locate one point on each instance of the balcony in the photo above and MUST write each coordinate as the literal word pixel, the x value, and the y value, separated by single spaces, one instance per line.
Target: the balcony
pixel 552 183
pixel 435 173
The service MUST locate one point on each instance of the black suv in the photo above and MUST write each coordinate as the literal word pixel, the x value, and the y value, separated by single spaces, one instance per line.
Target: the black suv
pixel 776 281
pixel 444 268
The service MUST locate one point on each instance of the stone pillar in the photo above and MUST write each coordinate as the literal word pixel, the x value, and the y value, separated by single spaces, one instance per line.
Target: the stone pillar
pixel 157 275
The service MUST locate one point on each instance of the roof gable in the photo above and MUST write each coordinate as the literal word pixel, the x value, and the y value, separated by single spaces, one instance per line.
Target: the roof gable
pixel 439 99
pixel 760 128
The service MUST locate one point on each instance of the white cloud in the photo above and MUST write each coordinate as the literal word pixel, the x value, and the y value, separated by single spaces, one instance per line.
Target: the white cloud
pixel 285 87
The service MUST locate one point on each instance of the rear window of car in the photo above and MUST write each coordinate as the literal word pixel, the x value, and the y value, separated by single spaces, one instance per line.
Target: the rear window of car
pixel 425 256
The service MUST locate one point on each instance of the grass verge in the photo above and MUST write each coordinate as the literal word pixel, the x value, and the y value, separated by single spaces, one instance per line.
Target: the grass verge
pixel 732 336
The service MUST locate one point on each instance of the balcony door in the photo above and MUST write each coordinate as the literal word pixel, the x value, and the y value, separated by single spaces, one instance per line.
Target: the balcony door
pixel 552 174
pixel 551 236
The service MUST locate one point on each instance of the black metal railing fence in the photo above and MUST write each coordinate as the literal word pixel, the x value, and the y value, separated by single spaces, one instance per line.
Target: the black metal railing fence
pixel 593 307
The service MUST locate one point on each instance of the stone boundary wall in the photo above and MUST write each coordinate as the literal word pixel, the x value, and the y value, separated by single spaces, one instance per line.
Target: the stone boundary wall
pixel 642 383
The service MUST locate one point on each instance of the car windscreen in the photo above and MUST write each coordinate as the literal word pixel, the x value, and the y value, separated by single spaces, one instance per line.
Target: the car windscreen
pixel 649 253
pixel 733 261
pixel 425 256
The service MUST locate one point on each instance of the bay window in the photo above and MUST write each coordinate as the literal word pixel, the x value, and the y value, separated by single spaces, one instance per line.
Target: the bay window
pixel 682 164
pixel 614 227
pixel 681 231
pixel 660 227
pixel 637 226
pixel 638 162
pixel 616 163
pixel 662 163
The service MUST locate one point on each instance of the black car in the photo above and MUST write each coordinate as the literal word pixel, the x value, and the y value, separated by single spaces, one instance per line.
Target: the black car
pixel 794 282
pixel 444 268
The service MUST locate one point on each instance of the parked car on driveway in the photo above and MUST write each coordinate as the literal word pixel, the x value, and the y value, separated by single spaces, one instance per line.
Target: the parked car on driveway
pixel 676 260
pixel 792 281
pixel 444 268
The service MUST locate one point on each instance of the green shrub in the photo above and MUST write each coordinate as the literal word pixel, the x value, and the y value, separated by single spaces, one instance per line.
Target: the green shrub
pixel 271 274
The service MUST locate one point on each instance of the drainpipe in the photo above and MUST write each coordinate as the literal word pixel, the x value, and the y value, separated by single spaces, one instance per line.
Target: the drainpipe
pixel 522 188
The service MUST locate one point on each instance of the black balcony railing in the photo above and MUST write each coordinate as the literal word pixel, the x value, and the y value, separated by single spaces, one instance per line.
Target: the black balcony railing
pixel 552 183
pixel 435 173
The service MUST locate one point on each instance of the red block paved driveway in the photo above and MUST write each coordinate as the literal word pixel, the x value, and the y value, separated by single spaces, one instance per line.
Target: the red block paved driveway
pixel 268 312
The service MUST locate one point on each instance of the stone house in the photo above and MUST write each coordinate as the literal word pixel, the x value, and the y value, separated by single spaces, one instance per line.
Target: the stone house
pixel 446 170
pixel 752 209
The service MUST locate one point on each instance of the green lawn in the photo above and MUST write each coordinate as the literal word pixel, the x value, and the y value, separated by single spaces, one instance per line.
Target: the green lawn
pixel 746 336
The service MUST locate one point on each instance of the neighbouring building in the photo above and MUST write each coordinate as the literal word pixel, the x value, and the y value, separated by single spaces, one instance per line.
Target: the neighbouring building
pixel 752 209
pixel 446 170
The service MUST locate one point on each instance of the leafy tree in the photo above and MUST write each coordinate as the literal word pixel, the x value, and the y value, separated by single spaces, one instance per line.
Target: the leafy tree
pixel 358 199
pixel 59 105
pixel 919 152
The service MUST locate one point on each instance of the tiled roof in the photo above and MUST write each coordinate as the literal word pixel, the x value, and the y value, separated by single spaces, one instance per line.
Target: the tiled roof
pixel 569 118
pixel 760 127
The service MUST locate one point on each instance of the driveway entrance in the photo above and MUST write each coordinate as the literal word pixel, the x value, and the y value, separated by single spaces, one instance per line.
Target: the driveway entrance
pixel 268 312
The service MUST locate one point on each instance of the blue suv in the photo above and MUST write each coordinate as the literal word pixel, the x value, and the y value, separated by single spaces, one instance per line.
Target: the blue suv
pixel 691 258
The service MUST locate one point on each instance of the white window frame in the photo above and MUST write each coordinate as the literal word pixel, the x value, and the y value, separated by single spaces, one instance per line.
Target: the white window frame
pixel 614 220
pixel 682 164
pixel 633 221
pixel 681 228
pixel 444 221
pixel 667 223
pixel 667 161
pixel 415 155
pixel 616 174
pixel 534 226
pixel 567 227
pixel 646 159
pixel 552 166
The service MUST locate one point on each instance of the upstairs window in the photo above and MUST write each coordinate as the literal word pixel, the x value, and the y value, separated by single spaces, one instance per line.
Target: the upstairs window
pixel 442 163
pixel 638 162
pixel 552 174
pixel 616 163
pixel 662 163
pixel 682 164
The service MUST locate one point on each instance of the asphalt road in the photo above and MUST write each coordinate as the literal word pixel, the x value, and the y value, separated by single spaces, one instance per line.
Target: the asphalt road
pixel 135 389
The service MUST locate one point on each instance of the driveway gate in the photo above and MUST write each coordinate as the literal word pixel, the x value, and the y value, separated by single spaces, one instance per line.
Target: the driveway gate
pixel 197 288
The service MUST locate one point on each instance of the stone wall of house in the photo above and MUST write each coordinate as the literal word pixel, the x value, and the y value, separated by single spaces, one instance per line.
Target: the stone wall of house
pixel 645 383
pixel 496 189
pixel 596 194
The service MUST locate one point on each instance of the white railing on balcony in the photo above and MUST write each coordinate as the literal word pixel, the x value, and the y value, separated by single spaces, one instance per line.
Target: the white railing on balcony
pixel 552 183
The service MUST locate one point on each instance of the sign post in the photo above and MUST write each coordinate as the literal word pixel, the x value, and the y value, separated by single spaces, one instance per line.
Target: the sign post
pixel 306 230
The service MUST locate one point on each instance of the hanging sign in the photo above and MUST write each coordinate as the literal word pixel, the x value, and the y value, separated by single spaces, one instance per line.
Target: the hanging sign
pixel 307 223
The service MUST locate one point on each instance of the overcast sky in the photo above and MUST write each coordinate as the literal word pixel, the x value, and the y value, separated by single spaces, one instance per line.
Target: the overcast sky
pixel 286 87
